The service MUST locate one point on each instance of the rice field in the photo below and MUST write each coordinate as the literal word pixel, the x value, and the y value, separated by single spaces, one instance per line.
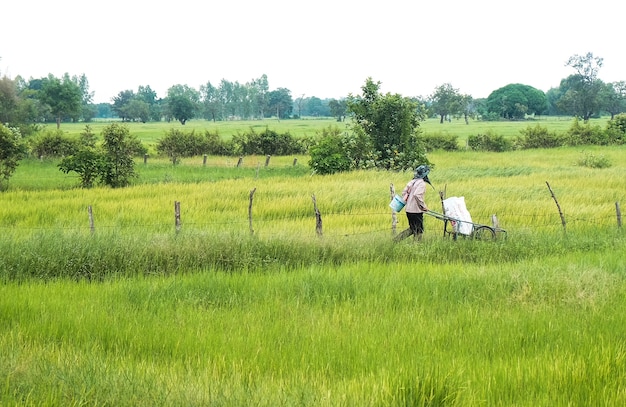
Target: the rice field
pixel 238 310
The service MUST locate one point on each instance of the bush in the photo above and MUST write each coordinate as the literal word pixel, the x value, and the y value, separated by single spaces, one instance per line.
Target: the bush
pixel 440 141
pixel 328 156
pixel 586 134
pixel 214 145
pixel 489 142
pixel 616 129
pixel 54 144
pixel 591 160
pixel 267 142
pixel 538 137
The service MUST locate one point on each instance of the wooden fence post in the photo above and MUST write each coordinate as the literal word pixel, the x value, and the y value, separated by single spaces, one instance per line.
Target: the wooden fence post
pixel 91 223
pixel 267 160
pixel 240 162
pixel 318 218
pixel 177 215
pixel 295 161
pixel 145 159
pixel 394 217
pixel 250 210
pixel 618 211
pixel 558 207
pixel 494 221
pixel 204 160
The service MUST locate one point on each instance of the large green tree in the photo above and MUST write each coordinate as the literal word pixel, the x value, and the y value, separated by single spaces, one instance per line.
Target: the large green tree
pixel 211 102
pixel 514 101
pixel 281 103
pixel 63 96
pixel 391 123
pixel 183 102
pixel 581 92
pixel 445 101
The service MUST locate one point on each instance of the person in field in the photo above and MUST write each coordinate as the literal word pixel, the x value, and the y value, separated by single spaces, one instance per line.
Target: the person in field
pixel 413 195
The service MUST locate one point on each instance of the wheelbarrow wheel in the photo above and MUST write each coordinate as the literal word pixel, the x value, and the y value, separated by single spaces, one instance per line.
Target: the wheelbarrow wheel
pixel 484 233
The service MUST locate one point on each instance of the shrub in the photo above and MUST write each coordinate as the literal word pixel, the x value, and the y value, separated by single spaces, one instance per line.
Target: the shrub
pixel 12 150
pixel 335 151
pixel 489 142
pixel 586 134
pixel 267 142
pixel 214 145
pixel 591 160
pixel 616 129
pixel 54 144
pixel 440 141
pixel 538 137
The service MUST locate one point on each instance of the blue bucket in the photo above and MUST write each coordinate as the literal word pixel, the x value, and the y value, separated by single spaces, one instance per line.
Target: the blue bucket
pixel 397 203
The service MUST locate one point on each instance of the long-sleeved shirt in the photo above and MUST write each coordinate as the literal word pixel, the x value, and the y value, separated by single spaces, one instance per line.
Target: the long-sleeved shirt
pixel 413 194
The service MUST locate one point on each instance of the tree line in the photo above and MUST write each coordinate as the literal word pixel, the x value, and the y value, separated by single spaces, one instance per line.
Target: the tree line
pixel 68 98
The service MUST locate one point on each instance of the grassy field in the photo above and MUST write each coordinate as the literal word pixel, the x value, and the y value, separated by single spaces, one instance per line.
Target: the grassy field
pixel 237 311
pixel 151 132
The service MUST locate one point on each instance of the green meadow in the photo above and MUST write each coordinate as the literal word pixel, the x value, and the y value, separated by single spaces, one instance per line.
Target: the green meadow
pixel 243 302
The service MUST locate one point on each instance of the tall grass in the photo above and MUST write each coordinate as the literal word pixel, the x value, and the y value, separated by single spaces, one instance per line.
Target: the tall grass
pixel 370 333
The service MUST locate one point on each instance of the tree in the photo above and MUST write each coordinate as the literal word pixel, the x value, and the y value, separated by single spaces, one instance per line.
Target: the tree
pixel 111 164
pixel 468 108
pixel 446 101
pixel 87 109
pixel 12 150
pixel 391 123
pixel 613 97
pixel 281 103
pixel 338 108
pixel 514 101
pixel 63 96
pixel 148 96
pixel 121 102
pixel 119 147
pixel 211 103
pixel 8 100
pixel 581 91
pixel 182 102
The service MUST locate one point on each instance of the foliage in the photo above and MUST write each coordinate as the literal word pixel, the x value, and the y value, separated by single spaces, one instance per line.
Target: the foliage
pixel 591 160
pixel 267 142
pixel 582 91
pixel 178 143
pixel 391 123
pixel 446 101
pixel 63 96
pixel 489 142
pixel 515 101
pixel 88 162
pixel 585 134
pixel 119 148
pixel 440 141
pixel 53 143
pixel 538 137
pixel 111 164
pixel 616 129
pixel 182 102
pixel 280 103
pixel 12 150
pixel 335 151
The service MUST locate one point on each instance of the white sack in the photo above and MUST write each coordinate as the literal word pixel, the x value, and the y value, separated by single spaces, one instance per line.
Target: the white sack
pixel 454 207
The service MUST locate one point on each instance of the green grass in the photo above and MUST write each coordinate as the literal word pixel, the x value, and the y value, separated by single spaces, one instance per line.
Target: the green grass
pixel 537 332
pixel 136 313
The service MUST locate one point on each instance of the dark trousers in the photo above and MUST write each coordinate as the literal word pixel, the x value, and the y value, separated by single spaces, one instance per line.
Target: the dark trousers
pixel 416 226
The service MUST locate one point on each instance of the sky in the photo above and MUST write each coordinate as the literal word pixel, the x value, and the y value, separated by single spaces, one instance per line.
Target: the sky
pixel 322 48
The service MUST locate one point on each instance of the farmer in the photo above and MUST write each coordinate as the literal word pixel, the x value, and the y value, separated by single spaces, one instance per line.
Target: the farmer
pixel 413 195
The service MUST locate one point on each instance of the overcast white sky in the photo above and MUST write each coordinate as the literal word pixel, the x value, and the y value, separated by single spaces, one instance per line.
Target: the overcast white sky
pixel 323 48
